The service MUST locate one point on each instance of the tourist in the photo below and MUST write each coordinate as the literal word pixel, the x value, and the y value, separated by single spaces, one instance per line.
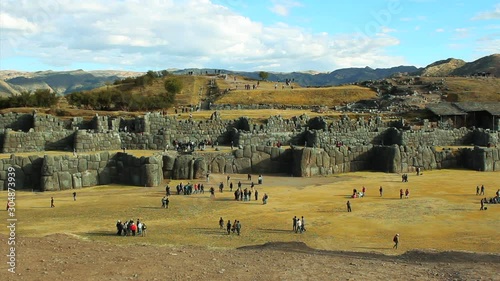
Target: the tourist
pixel 144 229
pixel 74 196
pixel 239 184
pixel 401 193
pixel 482 205
pixel 303 222
pixel 164 202
pixel 396 241
pixel 477 190
pixel 228 227
pixel 348 206
pixel 228 178
pixel 256 195
pixel 231 186
pixel 294 220
pixel 139 227
pixel 249 177
pixel 264 199
pixel 52 202
pixel 133 228
pixel 381 191
pixel 364 191
pixel 221 187
pixel 221 223
pixel 119 228
pixel 482 190
pixel 407 193
pixel 299 226
pixel 260 179
pixel 238 227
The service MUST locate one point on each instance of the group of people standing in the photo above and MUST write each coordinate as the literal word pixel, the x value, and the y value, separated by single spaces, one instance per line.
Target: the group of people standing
pixel 131 228
pixel 299 225
pixel 235 227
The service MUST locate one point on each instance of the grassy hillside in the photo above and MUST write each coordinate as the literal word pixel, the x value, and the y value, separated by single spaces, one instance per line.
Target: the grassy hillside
pixel 330 96
pixel 469 89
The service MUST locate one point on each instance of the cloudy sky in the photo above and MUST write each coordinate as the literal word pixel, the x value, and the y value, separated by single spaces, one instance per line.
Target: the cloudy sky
pixel 271 35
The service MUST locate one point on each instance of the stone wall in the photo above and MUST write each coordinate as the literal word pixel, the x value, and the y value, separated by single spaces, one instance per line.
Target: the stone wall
pixel 49 123
pixel 16 121
pixel 482 159
pixel 88 141
pixel 139 171
pixel 310 161
pixel 436 137
pixel 405 159
pixel 27 172
pixel 67 172
pixel 37 141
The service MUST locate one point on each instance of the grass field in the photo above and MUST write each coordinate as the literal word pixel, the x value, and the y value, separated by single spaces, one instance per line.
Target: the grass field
pixel 330 96
pixel 442 213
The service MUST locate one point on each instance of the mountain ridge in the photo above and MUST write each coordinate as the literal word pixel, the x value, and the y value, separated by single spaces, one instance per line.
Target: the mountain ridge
pixel 13 82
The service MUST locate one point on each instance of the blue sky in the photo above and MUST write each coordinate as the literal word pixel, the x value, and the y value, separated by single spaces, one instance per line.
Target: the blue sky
pixel 271 35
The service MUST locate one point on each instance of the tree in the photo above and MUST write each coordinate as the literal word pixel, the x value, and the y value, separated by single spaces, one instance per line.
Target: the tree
pixel 45 98
pixel 173 85
pixel 263 75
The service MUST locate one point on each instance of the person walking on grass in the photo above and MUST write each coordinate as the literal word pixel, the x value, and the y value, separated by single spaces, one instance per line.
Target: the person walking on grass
pixel 381 191
pixel 348 206
pixel 221 223
pixel 396 241
pixel 74 196
pixel 52 202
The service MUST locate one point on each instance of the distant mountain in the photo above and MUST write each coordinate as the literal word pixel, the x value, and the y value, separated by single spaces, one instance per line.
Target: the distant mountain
pixel 337 77
pixel 65 82
pixel 442 68
pixel 60 82
pixel 489 64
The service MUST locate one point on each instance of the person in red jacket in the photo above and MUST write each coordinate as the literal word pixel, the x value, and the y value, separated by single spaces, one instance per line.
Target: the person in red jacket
pixel 133 228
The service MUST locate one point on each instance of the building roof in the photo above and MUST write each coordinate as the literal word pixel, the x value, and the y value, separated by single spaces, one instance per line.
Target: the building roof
pixel 492 108
pixel 463 108
pixel 445 109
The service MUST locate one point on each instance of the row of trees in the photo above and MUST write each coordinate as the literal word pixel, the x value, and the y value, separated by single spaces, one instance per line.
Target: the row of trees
pixel 113 99
pixel 38 98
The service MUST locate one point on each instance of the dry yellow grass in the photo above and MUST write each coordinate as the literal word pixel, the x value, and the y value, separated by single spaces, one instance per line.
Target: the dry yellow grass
pixel 442 213
pixel 330 96
pixel 470 89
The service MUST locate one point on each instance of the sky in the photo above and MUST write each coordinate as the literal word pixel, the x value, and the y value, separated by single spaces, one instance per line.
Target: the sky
pixel 243 35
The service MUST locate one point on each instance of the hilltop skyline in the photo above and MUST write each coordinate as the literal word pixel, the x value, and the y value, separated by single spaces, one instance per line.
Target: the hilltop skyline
pixel 243 35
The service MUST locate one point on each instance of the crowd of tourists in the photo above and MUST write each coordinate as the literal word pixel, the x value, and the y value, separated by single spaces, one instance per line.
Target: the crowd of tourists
pixel 130 228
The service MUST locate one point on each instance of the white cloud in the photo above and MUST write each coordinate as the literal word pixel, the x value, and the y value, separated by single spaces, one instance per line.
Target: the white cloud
pixel 162 34
pixel 489 15
pixel 282 7
pixel 13 23
pixel 440 30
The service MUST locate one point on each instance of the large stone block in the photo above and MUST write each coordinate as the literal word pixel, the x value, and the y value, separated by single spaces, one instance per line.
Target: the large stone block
pixel 104 176
pixel 82 165
pixel 242 165
pixel 65 180
pixel 152 175
pixel 77 180
pixel 200 168
pixel 90 178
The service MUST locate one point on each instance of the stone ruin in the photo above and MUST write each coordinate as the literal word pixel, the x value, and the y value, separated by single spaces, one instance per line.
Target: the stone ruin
pixel 300 146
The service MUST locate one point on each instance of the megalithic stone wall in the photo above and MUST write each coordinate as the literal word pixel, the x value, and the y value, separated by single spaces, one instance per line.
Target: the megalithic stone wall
pixel 37 141
pixel 88 141
pixel 27 171
pixel 482 159
pixel 139 171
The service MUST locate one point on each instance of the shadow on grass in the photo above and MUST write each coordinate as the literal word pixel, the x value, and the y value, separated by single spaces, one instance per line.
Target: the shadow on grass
pixel 210 231
pixel 99 234
pixel 373 248
pixel 272 230
pixel 150 207
pixel 40 207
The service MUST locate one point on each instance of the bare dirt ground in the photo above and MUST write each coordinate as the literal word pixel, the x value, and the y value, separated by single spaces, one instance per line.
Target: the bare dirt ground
pixel 444 236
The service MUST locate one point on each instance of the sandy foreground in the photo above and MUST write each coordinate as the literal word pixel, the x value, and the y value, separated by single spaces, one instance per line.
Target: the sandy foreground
pixel 444 236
